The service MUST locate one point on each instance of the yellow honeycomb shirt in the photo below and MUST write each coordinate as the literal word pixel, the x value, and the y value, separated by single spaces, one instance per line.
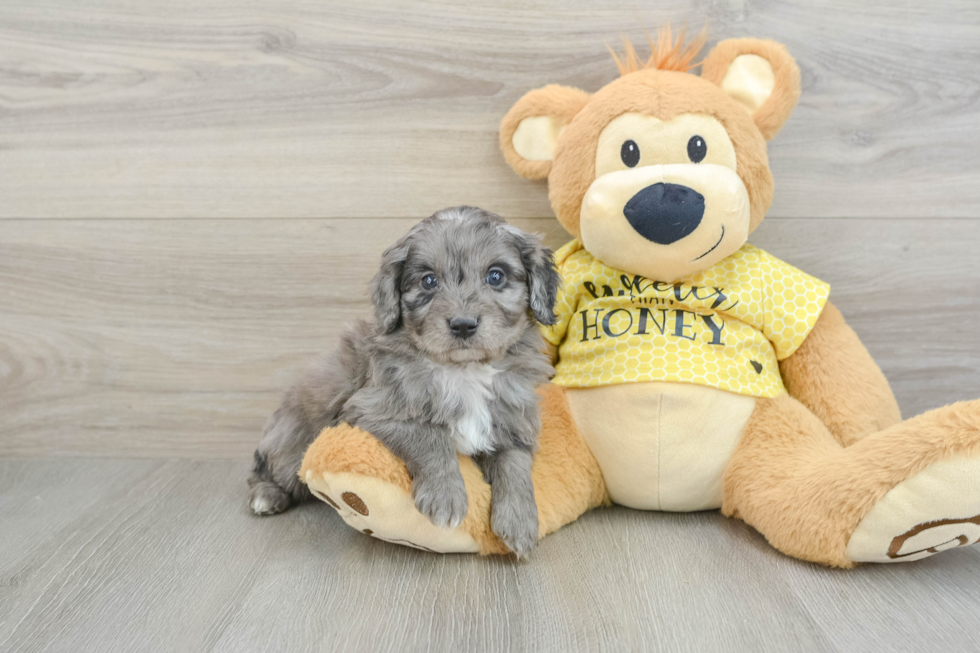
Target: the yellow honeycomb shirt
pixel 725 327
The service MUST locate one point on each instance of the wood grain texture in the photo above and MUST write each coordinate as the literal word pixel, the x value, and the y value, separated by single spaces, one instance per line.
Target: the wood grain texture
pixel 264 108
pixel 108 555
pixel 176 337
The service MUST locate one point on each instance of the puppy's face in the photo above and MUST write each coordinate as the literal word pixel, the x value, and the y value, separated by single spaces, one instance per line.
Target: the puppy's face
pixel 462 283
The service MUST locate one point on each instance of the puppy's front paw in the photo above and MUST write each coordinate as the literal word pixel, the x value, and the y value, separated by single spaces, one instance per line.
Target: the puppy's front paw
pixel 441 498
pixel 515 521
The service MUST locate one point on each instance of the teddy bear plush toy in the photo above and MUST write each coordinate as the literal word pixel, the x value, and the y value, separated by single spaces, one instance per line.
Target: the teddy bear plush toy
pixel 694 371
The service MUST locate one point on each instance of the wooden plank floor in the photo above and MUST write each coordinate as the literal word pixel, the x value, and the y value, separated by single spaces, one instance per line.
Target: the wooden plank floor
pixel 156 555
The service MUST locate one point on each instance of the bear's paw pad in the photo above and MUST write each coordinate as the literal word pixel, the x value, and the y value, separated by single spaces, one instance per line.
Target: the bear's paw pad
pixel 935 510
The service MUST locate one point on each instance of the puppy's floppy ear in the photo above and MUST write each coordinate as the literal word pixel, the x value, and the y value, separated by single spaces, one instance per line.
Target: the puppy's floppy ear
pixel 530 130
pixel 760 75
pixel 542 278
pixel 386 292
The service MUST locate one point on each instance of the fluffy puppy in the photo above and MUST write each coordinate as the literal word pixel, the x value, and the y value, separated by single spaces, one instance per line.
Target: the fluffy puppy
pixel 450 365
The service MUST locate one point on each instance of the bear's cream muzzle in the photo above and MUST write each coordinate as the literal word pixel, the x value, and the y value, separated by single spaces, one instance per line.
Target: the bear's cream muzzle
pixel 665 222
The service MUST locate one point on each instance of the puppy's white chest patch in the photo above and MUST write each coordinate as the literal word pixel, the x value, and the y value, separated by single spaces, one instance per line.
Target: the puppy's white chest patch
pixel 469 387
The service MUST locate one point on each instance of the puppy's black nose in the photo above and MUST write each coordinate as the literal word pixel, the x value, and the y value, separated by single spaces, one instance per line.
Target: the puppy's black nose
pixel 463 327
pixel 665 213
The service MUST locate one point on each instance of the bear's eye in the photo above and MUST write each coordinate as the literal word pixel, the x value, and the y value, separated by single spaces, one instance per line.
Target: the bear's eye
pixel 630 154
pixel 696 149
pixel 429 281
pixel 495 277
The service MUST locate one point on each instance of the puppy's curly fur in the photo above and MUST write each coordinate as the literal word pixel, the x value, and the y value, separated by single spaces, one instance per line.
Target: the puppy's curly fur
pixel 449 366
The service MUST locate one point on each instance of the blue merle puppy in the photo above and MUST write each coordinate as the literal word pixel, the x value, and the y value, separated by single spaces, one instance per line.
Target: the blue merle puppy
pixel 449 365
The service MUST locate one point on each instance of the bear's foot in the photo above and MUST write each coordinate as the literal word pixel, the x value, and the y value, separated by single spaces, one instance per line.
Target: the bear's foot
pixel 369 486
pixel 935 510
pixel 387 512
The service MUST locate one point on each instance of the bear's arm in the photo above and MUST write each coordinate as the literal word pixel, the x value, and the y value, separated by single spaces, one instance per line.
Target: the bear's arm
pixel 551 351
pixel 834 376
pixel 566 303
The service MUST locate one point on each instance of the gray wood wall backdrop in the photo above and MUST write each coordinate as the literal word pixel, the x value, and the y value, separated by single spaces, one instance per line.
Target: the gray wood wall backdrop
pixel 193 195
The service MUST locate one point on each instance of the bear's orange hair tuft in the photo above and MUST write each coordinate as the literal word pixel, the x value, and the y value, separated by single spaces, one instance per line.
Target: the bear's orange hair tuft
pixel 667 54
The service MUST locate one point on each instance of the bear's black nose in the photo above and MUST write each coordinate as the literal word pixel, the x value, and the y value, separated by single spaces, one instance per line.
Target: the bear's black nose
pixel 665 213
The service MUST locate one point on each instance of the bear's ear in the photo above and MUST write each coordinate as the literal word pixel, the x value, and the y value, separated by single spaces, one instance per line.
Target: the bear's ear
pixel 760 75
pixel 530 130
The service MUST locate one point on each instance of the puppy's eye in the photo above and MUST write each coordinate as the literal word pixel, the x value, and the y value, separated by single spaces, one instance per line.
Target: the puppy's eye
pixel 496 277
pixel 696 149
pixel 630 153
pixel 429 281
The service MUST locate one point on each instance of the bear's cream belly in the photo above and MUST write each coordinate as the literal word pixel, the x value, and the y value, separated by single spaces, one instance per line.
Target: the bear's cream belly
pixel 661 446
